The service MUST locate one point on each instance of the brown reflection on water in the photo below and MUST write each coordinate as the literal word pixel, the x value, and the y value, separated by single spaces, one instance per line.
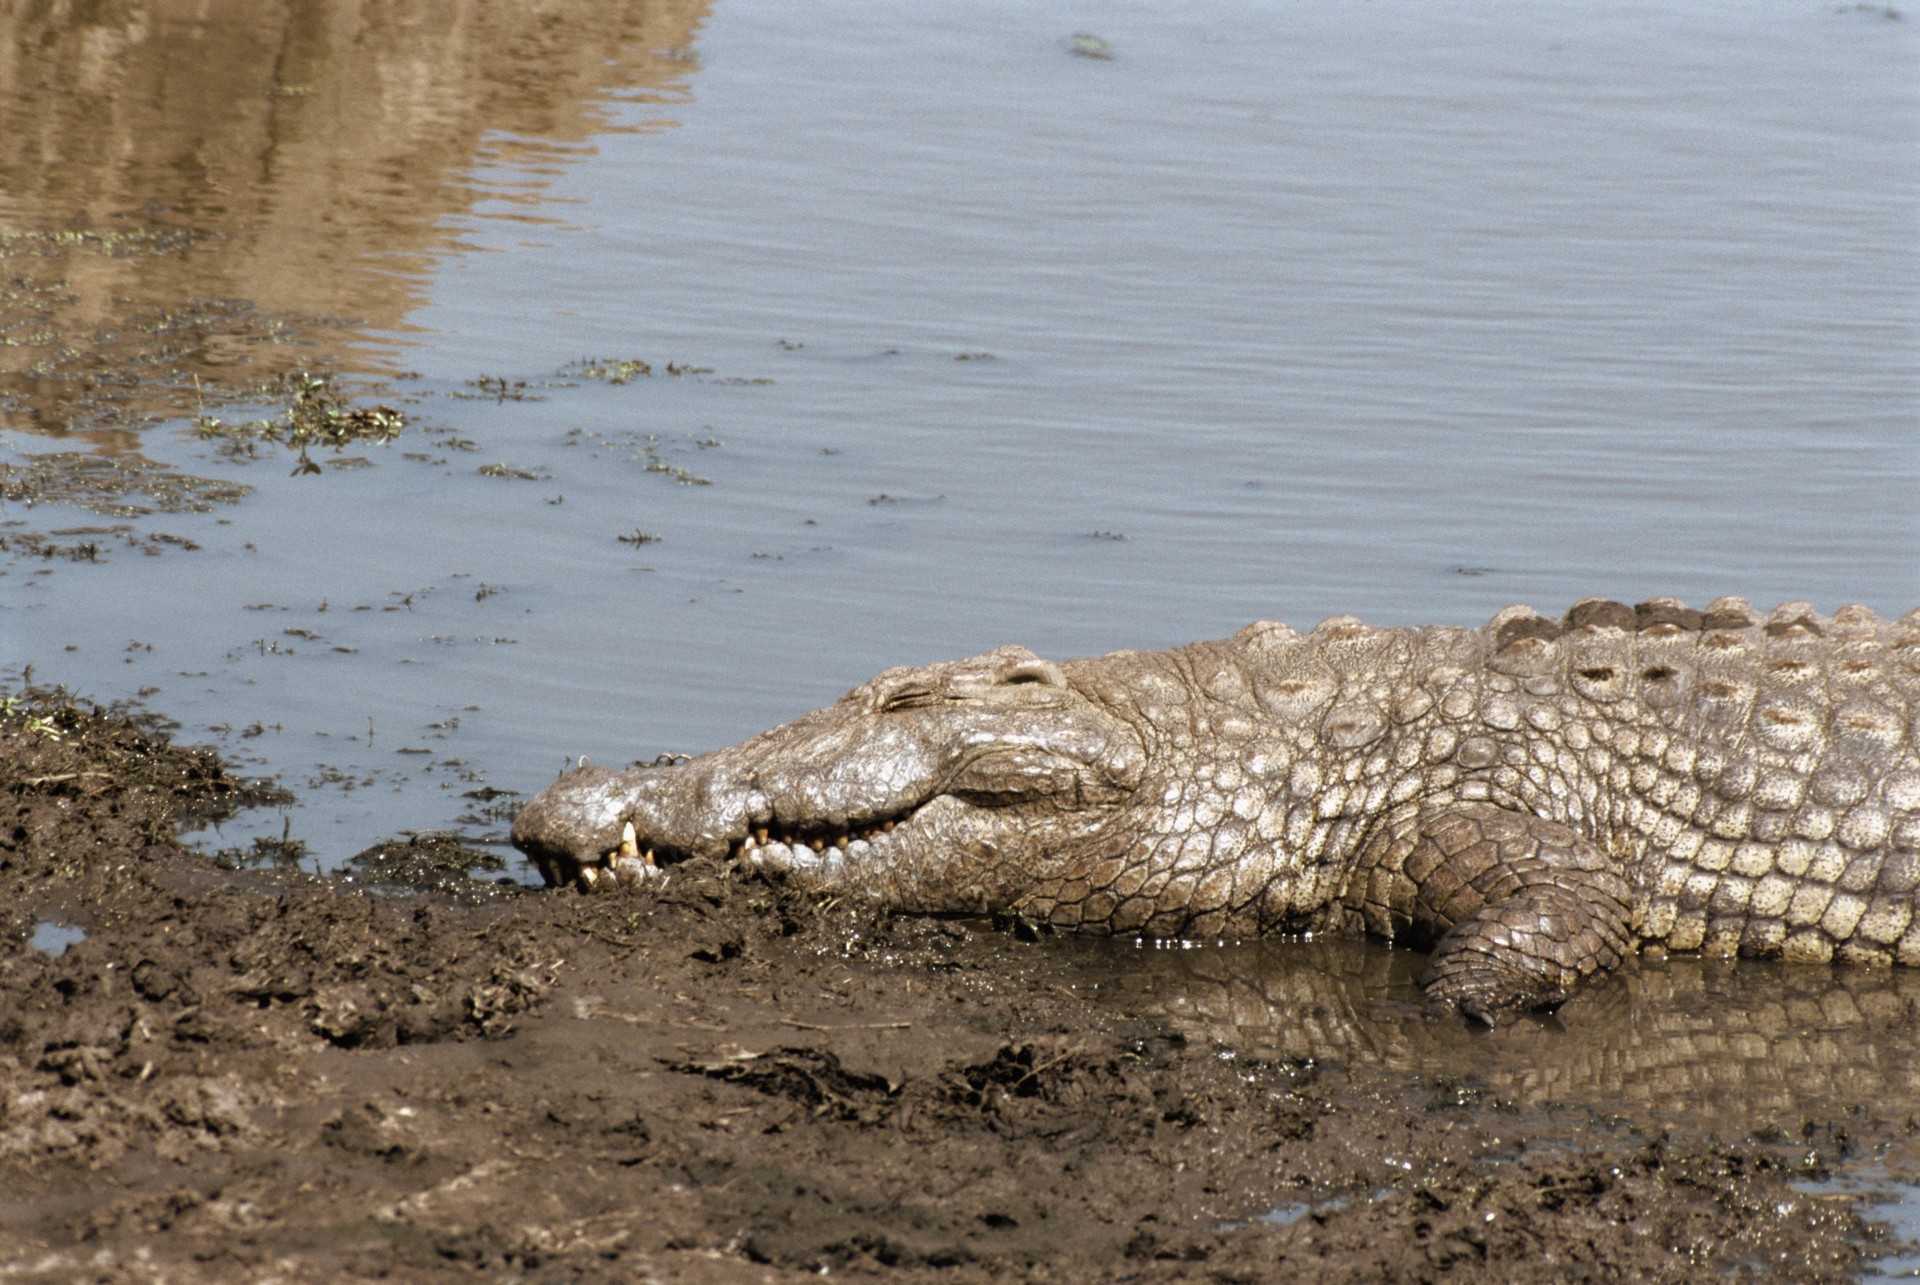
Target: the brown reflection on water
pixel 227 191
pixel 1726 1047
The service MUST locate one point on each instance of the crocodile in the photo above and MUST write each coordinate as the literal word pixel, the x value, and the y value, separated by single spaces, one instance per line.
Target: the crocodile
pixel 1531 801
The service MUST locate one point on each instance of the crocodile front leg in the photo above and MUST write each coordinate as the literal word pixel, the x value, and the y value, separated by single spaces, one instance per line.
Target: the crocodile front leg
pixel 1518 910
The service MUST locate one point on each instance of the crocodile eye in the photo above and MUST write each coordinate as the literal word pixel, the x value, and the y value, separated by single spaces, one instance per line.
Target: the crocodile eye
pixel 906 698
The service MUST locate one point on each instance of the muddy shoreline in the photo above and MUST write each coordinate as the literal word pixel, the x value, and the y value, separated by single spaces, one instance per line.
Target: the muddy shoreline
pixel 249 1073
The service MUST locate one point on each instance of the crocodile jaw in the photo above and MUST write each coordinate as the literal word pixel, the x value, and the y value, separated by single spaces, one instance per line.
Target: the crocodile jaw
pixel 909 765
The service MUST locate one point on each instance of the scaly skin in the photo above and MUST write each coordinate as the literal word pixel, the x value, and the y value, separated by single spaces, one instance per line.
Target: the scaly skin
pixel 1532 800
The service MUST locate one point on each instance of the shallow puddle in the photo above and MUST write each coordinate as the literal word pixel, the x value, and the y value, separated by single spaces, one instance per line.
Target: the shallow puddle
pixel 54 939
pixel 1897 1203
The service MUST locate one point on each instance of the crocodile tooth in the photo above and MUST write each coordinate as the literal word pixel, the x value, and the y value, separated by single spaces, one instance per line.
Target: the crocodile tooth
pixel 589 876
pixel 759 834
pixel 647 857
pixel 629 842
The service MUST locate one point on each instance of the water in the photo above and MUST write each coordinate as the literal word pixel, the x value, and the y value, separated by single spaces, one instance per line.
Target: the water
pixel 1897 1205
pixel 55 939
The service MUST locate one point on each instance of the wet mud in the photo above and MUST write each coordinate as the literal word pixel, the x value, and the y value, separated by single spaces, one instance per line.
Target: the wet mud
pixel 217 1074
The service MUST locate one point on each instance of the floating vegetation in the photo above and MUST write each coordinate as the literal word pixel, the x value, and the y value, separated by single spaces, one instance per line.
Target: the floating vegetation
pixel 507 470
pixel 105 483
pixel 647 448
pixel 610 371
pixel 139 368
pixel 684 477
pixel 119 243
pixel 317 416
pixel 498 388
pixel 26 311
pixel 93 545
pixel 1085 44
pixel 637 539
pixel 37 544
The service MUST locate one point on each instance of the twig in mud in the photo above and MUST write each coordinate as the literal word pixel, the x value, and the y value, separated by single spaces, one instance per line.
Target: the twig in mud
pixel 850 1026
pixel 1035 1072
pixel 623 943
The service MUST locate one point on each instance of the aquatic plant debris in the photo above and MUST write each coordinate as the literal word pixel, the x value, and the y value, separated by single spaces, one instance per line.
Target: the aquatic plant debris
pixel 626 370
pixel 120 243
pixel 318 415
pixel 104 483
pixel 1087 45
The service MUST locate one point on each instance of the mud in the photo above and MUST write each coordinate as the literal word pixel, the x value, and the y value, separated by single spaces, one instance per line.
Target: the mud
pixel 254 1073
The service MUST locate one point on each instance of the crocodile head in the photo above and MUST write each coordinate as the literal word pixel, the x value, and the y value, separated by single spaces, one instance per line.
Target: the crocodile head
pixel 935 787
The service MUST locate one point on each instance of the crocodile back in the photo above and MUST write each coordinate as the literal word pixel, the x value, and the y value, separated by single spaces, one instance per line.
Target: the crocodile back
pixel 1759 776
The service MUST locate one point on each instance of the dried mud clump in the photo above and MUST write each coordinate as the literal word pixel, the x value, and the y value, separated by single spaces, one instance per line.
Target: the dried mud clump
pixel 210 1074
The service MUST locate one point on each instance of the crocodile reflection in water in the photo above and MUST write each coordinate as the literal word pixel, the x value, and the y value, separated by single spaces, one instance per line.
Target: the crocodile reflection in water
pixel 1709 1046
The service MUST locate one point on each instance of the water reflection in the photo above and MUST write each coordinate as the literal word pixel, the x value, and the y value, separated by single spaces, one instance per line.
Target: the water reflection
pixel 1732 1048
pixel 225 190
